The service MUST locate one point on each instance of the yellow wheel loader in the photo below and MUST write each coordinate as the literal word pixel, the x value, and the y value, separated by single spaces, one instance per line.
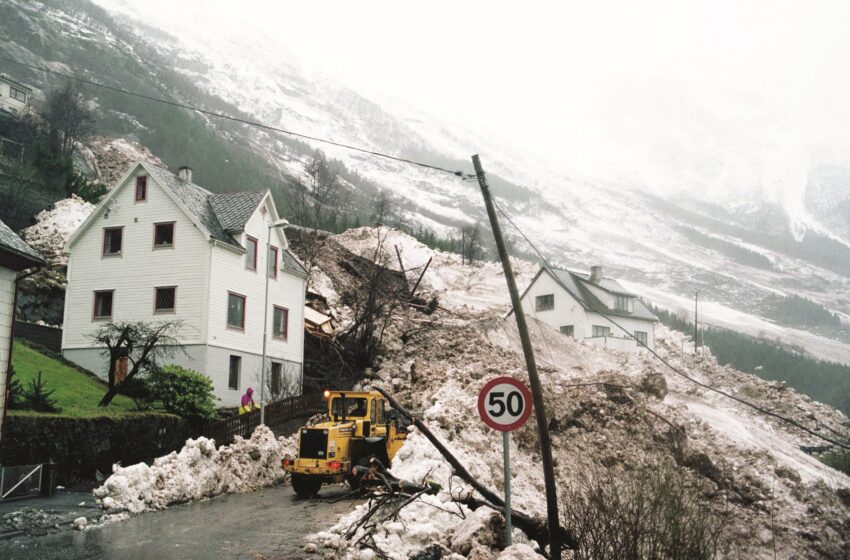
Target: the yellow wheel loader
pixel 360 428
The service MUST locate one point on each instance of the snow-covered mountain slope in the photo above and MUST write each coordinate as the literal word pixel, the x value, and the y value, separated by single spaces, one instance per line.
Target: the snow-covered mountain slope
pixel 737 255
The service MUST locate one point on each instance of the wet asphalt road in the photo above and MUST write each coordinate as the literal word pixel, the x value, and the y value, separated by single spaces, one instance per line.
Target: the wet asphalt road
pixel 270 524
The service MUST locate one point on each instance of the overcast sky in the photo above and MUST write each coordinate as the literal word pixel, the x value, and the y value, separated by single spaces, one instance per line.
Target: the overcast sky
pixel 713 95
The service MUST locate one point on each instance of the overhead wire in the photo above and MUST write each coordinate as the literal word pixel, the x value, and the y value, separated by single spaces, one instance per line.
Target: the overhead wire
pixel 676 370
pixel 257 124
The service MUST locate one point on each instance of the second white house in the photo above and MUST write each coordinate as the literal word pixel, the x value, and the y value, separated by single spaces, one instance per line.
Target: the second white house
pixel 160 248
pixel 580 305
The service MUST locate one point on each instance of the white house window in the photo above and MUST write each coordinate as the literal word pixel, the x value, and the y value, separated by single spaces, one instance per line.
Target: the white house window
pixel 544 302
pixel 141 188
pixel 641 338
pixel 568 330
pixel 624 303
pixel 165 299
pixel 235 311
pixel 272 261
pixel 277 369
pixel 163 235
pixel 15 93
pixel 250 253
pixel 233 373
pixel 103 304
pixel 281 322
pixel 601 331
pixel 112 238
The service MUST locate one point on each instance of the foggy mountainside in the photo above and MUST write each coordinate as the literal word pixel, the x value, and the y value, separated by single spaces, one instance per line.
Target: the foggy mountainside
pixel 750 263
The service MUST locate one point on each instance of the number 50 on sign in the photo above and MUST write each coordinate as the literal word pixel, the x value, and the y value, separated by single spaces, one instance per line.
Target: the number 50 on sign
pixel 504 404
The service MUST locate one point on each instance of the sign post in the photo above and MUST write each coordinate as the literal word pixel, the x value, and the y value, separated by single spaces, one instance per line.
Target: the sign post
pixel 504 404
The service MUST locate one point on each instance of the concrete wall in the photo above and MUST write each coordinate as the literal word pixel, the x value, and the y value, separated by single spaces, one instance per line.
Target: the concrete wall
pixel 42 335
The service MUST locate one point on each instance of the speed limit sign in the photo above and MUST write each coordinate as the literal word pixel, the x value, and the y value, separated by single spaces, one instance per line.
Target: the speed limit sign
pixel 504 404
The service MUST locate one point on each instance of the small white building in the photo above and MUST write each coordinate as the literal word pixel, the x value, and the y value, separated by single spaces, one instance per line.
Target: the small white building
pixel 160 248
pixel 579 305
pixel 14 96
pixel 15 256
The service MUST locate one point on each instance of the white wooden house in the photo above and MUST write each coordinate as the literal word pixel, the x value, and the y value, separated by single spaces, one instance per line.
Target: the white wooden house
pixel 578 303
pixel 15 256
pixel 159 247
pixel 14 96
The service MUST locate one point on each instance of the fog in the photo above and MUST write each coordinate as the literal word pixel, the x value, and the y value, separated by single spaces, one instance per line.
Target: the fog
pixel 732 100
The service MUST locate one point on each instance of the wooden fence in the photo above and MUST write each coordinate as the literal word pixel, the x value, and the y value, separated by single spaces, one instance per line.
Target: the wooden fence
pixel 302 406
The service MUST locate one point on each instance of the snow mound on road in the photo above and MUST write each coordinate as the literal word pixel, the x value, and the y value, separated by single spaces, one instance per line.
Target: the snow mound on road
pixel 197 471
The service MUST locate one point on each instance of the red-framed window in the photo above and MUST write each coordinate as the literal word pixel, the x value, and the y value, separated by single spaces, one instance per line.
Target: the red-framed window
pixel 141 188
pixel 163 235
pixel 273 256
pixel 165 299
pixel 103 301
pixel 251 253
pixel 113 240
pixel 236 311
pixel 280 322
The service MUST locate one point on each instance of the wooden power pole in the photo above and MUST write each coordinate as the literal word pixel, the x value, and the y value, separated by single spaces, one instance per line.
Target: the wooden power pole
pixel 531 364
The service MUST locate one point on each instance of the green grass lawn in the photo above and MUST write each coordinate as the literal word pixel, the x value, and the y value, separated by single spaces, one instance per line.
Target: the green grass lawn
pixel 76 392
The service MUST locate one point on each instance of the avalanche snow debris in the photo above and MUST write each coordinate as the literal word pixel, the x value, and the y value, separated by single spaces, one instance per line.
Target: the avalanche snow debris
pixel 197 471
pixel 646 415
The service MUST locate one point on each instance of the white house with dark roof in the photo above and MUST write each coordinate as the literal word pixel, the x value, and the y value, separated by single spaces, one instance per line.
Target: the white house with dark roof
pixel 14 96
pixel 580 305
pixel 15 258
pixel 160 247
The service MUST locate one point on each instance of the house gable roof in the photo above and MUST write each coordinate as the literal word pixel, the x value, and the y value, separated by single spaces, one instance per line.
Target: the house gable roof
pixel 22 255
pixel 233 210
pixel 207 210
pixel 576 284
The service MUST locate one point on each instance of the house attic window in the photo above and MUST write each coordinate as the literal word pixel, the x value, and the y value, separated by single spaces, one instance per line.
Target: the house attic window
pixel 112 238
pixel 141 188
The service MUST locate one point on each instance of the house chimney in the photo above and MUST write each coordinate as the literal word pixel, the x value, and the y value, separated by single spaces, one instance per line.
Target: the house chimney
pixel 595 273
pixel 185 174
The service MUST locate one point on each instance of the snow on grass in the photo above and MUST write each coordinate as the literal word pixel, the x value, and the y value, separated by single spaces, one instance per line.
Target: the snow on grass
pixel 199 470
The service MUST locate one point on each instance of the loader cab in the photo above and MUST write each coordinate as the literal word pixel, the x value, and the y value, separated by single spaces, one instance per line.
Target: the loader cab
pixel 365 409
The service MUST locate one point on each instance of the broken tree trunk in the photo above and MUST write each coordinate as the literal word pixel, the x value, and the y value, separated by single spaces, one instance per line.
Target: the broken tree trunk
pixel 413 290
pixel 534 528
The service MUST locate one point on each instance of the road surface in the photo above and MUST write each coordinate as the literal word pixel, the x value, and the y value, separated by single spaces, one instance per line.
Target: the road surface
pixel 269 524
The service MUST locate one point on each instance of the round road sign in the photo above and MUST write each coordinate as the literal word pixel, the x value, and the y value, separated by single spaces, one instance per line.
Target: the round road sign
pixel 504 404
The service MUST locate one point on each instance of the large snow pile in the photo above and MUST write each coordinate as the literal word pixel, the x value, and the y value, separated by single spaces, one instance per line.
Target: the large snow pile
pixel 476 286
pixel 112 157
pixel 646 415
pixel 197 471
pixel 54 227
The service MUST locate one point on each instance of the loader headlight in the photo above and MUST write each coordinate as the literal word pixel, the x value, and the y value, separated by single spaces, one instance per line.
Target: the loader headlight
pixel 327 393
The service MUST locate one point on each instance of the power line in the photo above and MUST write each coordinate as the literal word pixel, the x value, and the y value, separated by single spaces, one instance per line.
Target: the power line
pixel 457 173
pixel 677 370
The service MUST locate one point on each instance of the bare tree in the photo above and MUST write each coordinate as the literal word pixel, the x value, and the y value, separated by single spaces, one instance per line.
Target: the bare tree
pixel 140 343
pixel 383 207
pixel 471 247
pixel 280 386
pixel 374 305
pixel 68 120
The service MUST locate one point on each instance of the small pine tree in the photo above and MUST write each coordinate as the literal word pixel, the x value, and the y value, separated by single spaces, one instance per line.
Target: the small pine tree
pixel 38 397
pixel 16 392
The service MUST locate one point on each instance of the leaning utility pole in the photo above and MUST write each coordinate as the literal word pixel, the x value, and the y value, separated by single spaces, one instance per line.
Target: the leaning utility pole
pixel 531 364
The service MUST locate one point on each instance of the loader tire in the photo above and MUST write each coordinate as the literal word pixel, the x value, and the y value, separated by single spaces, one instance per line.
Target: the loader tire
pixel 305 486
